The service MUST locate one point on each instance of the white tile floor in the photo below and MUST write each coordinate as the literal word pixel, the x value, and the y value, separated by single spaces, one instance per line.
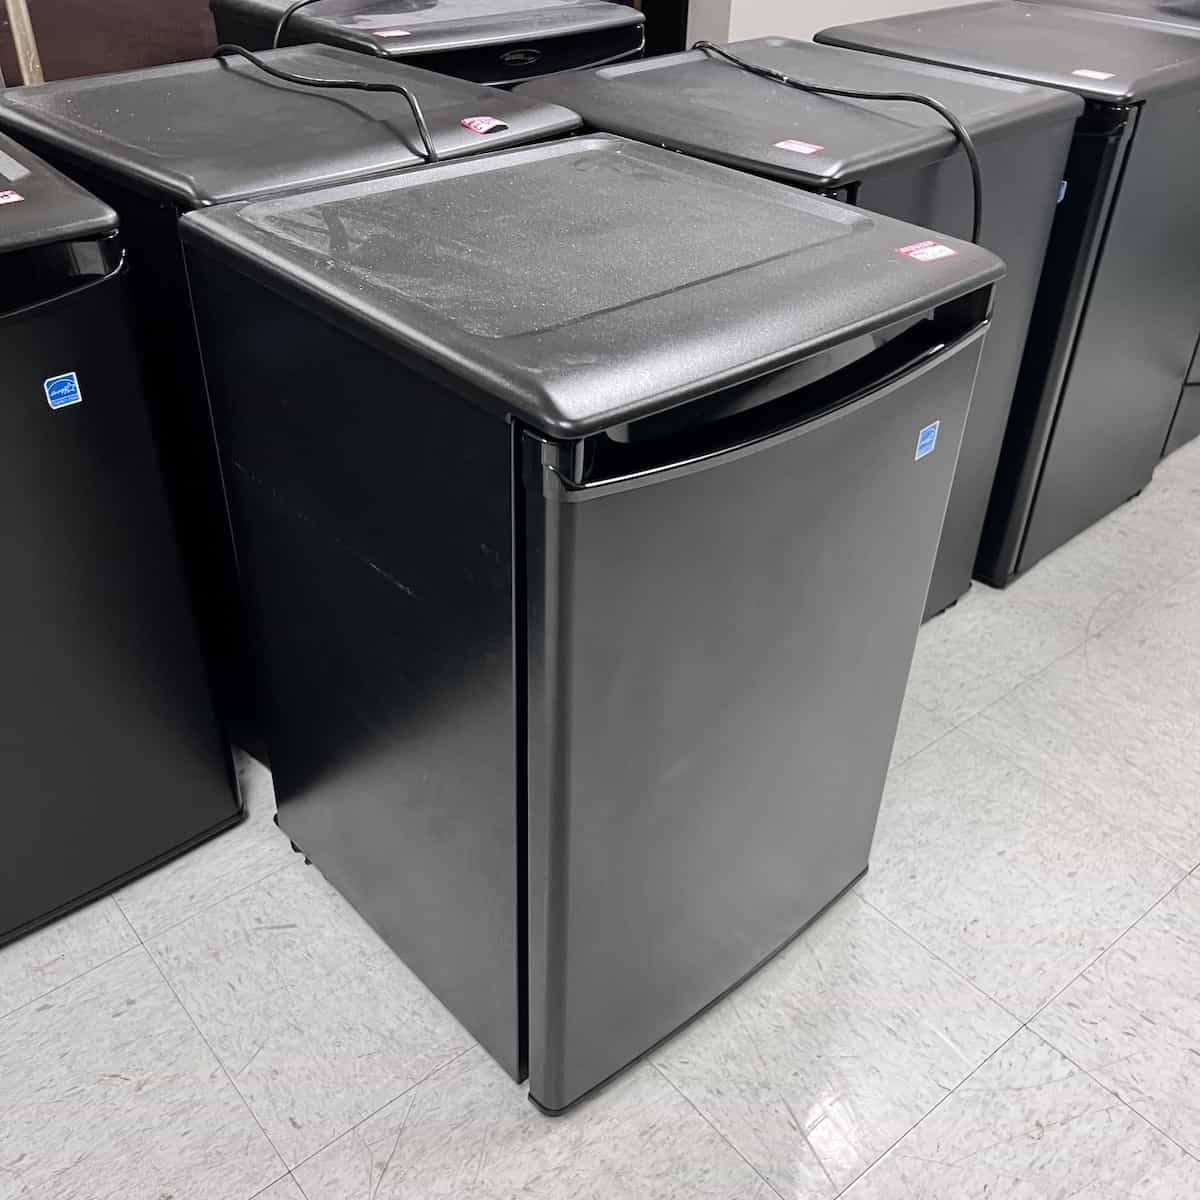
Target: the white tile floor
pixel 1007 1006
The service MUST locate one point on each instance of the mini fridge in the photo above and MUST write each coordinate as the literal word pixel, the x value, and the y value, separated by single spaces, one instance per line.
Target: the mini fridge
pixel 489 41
pixel 1183 15
pixel 895 158
pixel 589 545
pixel 111 753
pixel 158 142
pixel 1118 307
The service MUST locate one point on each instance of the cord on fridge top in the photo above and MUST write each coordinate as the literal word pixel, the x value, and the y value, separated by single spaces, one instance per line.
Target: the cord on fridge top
pixel 819 89
pixel 286 17
pixel 353 85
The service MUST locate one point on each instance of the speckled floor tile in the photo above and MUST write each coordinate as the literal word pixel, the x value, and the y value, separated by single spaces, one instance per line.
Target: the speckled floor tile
pixel 233 859
pixel 1029 1125
pixel 1133 1019
pixel 317 1021
pixel 283 1189
pixel 470 1133
pixel 814 1066
pixel 50 957
pixel 1013 883
pixel 1099 726
pixel 107 1092
pixel 919 727
pixel 988 643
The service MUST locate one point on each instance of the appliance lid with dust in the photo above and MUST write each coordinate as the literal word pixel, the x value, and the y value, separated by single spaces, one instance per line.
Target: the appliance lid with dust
pixel 579 284
pixel 38 206
pixel 698 104
pixel 1100 56
pixel 217 130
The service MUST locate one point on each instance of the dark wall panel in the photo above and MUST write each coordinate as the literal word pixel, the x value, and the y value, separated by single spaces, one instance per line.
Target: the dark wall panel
pixel 84 37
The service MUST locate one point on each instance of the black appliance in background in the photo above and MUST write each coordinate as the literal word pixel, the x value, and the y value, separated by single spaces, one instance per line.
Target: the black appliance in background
pixel 901 159
pixel 158 142
pixel 666 25
pixel 489 41
pixel 1114 327
pixel 111 753
pixel 589 545
pixel 1181 16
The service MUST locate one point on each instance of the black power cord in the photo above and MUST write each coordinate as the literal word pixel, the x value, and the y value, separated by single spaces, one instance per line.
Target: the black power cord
pixel 350 85
pixel 286 17
pixel 819 89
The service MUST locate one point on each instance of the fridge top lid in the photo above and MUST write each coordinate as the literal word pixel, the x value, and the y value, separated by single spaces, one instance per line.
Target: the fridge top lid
pixel 409 27
pixel 212 131
pixel 1181 15
pixel 588 282
pixel 1100 56
pixel 39 206
pixel 703 106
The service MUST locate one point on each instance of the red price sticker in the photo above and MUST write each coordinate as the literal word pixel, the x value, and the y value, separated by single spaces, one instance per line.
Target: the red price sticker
pixel 799 147
pixel 483 124
pixel 926 251
pixel 11 197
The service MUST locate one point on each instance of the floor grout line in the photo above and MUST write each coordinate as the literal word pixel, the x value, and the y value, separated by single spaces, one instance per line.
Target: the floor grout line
pixel 1116 1096
pixel 376 1111
pixel 732 1146
pixel 925 1117
pixel 937 957
pixel 204 908
pixel 12 1012
pixel 1024 1025
pixel 200 1033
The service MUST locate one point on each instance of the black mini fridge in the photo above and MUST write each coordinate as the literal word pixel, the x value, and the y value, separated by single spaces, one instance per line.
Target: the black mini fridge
pixel 111 753
pixel 1118 307
pixel 155 143
pixel 589 545
pixel 895 158
pixel 489 41
pixel 1182 15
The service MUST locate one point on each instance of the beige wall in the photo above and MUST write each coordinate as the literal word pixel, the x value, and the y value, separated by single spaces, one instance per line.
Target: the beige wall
pixel 729 20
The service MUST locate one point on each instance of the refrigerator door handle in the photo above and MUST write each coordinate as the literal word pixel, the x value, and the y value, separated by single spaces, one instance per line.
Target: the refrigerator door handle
pixel 556 484
pixel 86 283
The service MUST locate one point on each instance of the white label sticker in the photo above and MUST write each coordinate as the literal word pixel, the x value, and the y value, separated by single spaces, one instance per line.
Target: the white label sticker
pixel 386 33
pixel 799 147
pixel 926 251
pixel 483 124
pixel 11 197
pixel 1084 73
pixel 11 169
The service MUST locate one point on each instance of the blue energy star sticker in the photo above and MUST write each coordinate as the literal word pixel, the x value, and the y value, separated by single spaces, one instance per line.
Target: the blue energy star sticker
pixel 63 390
pixel 927 439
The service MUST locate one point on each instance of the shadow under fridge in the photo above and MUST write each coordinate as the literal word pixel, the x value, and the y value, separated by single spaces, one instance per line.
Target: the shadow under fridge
pixel 901 159
pixel 162 141
pixel 1118 308
pixel 111 754
pixel 589 551
pixel 490 41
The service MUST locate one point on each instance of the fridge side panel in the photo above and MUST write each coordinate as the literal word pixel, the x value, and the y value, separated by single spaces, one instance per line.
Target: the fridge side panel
pixel 374 523
pixel 1021 171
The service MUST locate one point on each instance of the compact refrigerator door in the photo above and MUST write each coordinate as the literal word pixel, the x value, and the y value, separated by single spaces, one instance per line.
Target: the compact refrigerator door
pixel 705 758
pixel 111 754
